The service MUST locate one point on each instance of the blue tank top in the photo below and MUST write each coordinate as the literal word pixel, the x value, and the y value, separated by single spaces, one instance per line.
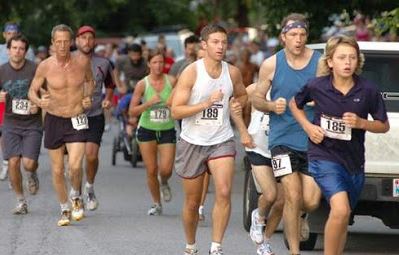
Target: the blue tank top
pixel 287 82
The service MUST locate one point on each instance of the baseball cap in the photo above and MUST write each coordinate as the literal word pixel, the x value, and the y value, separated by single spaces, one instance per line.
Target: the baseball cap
pixel 99 48
pixel 11 27
pixel 85 29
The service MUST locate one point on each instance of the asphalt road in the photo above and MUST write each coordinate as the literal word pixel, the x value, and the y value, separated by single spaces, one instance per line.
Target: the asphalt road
pixel 121 226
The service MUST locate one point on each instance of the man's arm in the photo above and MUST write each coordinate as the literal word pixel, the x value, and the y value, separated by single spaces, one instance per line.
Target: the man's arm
pixel 259 100
pixel 34 89
pixel 182 94
pixel 239 92
pixel 89 84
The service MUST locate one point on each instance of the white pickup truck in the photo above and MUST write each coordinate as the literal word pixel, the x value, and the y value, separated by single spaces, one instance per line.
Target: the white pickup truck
pixel 380 195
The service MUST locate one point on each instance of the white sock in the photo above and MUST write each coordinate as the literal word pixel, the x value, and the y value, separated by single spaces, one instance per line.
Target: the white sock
pixel 74 193
pixel 89 187
pixel 64 207
pixel 215 246
pixel 20 198
pixel 191 246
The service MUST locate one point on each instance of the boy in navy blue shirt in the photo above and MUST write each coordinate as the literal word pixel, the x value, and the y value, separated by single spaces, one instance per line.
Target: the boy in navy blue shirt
pixel 342 101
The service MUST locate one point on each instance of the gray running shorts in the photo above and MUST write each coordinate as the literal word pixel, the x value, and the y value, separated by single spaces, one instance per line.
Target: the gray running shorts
pixel 192 160
pixel 21 142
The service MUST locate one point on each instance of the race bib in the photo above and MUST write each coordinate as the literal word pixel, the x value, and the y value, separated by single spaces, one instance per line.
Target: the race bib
pixel 80 122
pixel 160 115
pixel 212 116
pixel 335 128
pixel 281 165
pixel 264 122
pixel 21 106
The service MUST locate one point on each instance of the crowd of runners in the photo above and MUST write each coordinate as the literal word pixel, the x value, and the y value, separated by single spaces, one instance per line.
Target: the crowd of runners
pixel 302 124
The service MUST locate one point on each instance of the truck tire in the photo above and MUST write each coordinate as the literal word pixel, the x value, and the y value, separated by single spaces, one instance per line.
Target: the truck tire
pixel 250 201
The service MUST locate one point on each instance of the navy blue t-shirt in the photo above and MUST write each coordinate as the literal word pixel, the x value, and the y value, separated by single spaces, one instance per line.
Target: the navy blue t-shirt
pixel 364 98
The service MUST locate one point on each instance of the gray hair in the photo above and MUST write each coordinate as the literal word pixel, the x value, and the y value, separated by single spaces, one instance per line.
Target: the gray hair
pixel 61 28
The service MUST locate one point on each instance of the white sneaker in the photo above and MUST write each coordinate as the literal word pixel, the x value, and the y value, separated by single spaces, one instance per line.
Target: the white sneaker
pixel 4 171
pixel 155 210
pixel 305 229
pixel 77 209
pixel 190 251
pixel 256 230
pixel 21 208
pixel 218 251
pixel 166 193
pixel 91 200
pixel 264 249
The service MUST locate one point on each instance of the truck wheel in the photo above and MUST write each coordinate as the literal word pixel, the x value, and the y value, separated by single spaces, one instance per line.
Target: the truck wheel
pixel 250 201
pixel 307 245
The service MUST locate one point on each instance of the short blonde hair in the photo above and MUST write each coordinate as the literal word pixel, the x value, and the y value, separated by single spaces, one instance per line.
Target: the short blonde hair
pixel 330 49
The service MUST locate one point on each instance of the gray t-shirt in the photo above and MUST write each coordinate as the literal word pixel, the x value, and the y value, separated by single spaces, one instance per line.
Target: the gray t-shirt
pixel 133 72
pixel 16 83
pixel 102 74
pixel 179 66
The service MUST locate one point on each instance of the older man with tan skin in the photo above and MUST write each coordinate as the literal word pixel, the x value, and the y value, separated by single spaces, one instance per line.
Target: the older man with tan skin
pixel 69 85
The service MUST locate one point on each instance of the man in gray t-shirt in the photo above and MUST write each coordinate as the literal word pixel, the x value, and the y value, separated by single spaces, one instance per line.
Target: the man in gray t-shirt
pixel 22 127
pixel 191 45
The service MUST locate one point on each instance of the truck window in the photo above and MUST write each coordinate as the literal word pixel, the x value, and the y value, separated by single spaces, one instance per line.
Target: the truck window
pixel 382 69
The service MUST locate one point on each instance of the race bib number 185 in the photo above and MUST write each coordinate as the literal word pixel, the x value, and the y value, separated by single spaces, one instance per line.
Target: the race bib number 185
pixel 335 128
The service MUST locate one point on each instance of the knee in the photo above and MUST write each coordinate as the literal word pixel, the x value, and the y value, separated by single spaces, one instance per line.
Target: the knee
pixel 270 196
pixel 340 212
pixel 293 198
pixel 152 173
pixel 311 204
pixel 192 205
pixel 58 172
pixel 223 194
pixel 91 157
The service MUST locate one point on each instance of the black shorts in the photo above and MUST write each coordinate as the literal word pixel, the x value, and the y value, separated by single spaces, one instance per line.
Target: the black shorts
pixel 299 159
pixel 96 129
pixel 258 160
pixel 161 137
pixel 59 131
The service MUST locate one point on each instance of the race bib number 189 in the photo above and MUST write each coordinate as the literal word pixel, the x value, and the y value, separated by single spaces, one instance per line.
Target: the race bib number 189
pixel 212 116
pixel 281 165
pixel 80 122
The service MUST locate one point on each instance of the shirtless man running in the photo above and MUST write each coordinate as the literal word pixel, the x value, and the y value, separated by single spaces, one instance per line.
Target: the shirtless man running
pixel 69 84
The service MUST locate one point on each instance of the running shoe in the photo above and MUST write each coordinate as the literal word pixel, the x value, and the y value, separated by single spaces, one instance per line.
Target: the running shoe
pixel 32 183
pixel 65 218
pixel 256 229
pixel 264 249
pixel 201 214
pixel 155 210
pixel 91 202
pixel 191 251
pixel 218 251
pixel 77 209
pixel 166 193
pixel 21 208
pixel 305 229
pixel 4 172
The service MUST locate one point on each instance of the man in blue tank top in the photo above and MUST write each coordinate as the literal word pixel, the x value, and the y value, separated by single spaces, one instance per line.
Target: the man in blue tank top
pixel 285 73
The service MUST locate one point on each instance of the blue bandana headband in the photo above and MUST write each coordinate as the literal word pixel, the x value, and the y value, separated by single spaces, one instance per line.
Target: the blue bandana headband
pixel 11 28
pixel 296 24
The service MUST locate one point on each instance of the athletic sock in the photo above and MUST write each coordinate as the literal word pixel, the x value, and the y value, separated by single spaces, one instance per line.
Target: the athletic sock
pixel 215 246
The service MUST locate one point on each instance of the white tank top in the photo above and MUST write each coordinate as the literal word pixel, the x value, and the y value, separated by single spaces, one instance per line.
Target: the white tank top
pixel 259 130
pixel 211 126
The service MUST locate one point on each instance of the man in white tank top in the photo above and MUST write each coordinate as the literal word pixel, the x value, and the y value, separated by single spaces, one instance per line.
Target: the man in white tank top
pixel 201 100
